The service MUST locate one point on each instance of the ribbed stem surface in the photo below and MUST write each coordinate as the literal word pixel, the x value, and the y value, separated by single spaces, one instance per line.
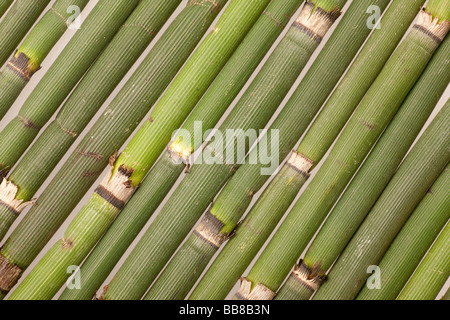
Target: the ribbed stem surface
pixel 165 173
pixel 82 50
pixel 4 5
pixel 413 241
pixel 413 179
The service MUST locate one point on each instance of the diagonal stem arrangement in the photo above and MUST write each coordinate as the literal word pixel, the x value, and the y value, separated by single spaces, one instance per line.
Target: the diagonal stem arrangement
pixel 4 5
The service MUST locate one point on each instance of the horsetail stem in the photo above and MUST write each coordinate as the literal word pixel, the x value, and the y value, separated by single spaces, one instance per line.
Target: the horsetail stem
pixel 82 50
pixel 119 120
pixel 262 219
pixel 95 87
pixel 36 46
pixel 164 174
pixel 413 241
pixel 4 5
pixel 372 178
pixel 419 170
pixel 375 111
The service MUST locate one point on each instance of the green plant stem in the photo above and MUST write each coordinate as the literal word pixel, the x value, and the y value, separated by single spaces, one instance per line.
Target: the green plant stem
pixel 374 113
pixel 367 186
pixel 4 5
pixel 432 273
pixel 413 241
pixel 262 219
pixel 446 295
pixel 220 159
pixel 117 123
pixel 90 94
pixel 191 259
pixel 409 185
pixel 165 173
pixel 16 23
pixel 82 50
pixel 36 46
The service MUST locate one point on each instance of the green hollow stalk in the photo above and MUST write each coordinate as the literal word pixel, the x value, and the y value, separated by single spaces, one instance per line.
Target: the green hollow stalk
pixel 86 45
pixel 95 87
pixel 432 273
pixel 415 176
pixel 107 135
pixel 164 174
pixel 16 23
pixel 413 241
pixel 446 295
pixel 36 46
pixel 374 113
pixel 370 181
pixel 4 5
pixel 184 92
pixel 262 219
pixel 220 158
pixel 188 263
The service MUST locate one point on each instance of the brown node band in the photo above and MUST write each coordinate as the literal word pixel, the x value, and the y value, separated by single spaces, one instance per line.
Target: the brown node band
pixel 431 26
pixel 260 292
pixel 19 64
pixel 209 230
pixel 9 274
pixel 306 277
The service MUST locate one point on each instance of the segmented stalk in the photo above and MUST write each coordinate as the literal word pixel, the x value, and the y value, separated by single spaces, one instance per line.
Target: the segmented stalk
pixel 16 23
pixel 189 262
pixel 164 174
pixel 413 241
pixel 4 5
pixel 367 186
pixel 262 219
pixel 409 185
pixel 432 273
pixel 82 50
pixel 36 46
pixel 117 123
pixel 90 94
pixel 372 116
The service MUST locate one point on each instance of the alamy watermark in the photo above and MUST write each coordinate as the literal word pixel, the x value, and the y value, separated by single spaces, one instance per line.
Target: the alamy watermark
pixel 373 22
pixel 74 21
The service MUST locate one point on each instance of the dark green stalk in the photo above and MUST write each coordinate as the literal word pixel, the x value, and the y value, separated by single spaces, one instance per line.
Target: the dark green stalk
pixel 164 174
pixel 409 185
pixel 4 5
pixel 189 262
pixel 90 94
pixel 36 46
pixel 374 113
pixel 82 50
pixel 262 219
pixel 90 158
pixel 432 273
pixel 16 23
pixel 372 178
pixel 413 241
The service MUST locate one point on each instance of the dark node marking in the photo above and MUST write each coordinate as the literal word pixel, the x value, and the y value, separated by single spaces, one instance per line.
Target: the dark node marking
pixel 303 173
pixel 110 197
pixel 428 33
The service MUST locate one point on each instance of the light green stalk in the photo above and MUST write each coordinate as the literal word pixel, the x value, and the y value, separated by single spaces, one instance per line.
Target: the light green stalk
pixel 262 219
pixel 69 67
pixel 367 186
pixel 4 5
pixel 447 295
pixel 116 124
pixel 82 105
pixel 36 46
pixel 184 92
pixel 16 23
pixel 419 170
pixel 374 113
pixel 432 273
pixel 165 173
pixel 189 262
pixel 413 241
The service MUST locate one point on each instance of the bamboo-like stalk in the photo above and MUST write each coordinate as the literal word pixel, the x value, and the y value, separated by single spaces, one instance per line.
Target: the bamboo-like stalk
pixel 117 123
pixel 419 170
pixel 95 87
pixel 164 174
pixel 253 111
pixel 16 23
pixel 373 177
pixel 188 263
pixel 82 50
pixel 373 115
pixel 432 273
pixel 413 241
pixel 36 46
pixel 183 94
pixel 262 219
pixel 4 5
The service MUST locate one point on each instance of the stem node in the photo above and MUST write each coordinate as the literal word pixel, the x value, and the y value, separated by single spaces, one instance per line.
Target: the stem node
pixel 260 292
